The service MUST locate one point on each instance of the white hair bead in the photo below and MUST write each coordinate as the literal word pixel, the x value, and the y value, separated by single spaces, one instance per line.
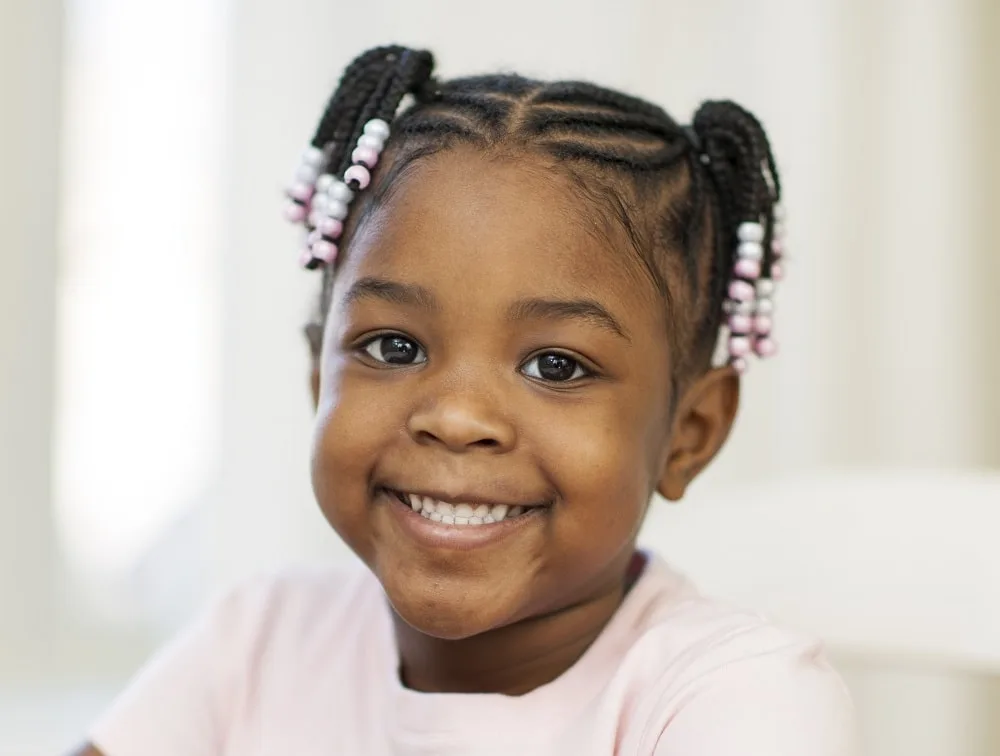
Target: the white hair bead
pixel 779 212
pixel 779 230
pixel 340 192
pixel 765 287
pixel 324 182
pixel 370 140
pixel 336 209
pixel 750 232
pixel 319 202
pixel 765 307
pixel 732 307
pixel 376 127
pixel 313 156
pixel 307 174
pixel 749 250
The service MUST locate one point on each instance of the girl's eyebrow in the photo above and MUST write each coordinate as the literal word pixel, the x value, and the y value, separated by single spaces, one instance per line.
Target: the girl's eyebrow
pixel 535 308
pixel 586 310
pixel 393 292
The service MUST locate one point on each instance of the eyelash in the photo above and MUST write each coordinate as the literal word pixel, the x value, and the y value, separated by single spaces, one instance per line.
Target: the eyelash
pixel 580 368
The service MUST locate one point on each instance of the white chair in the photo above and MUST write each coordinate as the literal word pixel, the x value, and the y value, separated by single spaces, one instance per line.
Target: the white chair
pixel 898 571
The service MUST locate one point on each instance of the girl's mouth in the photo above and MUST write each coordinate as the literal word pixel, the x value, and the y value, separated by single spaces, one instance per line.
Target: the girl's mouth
pixel 459 514
pixel 470 514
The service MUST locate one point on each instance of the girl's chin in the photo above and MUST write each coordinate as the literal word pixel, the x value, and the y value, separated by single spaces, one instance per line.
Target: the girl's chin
pixel 446 618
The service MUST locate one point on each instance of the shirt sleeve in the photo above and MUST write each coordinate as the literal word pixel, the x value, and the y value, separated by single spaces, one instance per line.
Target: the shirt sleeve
pixel 767 706
pixel 181 702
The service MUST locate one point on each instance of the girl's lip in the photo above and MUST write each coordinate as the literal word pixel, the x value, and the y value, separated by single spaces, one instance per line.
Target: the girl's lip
pixel 456 537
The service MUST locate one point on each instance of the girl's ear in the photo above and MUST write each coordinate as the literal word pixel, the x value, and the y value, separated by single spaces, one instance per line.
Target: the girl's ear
pixel 702 421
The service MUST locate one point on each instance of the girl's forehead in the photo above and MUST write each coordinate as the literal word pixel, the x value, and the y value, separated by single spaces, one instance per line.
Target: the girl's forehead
pixel 511 223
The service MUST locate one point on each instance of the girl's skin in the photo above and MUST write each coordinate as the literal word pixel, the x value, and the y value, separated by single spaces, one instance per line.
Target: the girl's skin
pixel 485 263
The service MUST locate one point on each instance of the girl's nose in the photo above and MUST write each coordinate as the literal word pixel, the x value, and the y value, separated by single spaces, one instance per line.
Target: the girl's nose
pixel 462 423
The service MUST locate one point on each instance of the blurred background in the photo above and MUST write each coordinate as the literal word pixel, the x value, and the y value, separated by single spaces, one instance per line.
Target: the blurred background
pixel 154 417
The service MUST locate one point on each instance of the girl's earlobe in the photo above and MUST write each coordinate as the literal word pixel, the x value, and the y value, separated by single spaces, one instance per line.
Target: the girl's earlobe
pixel 702 422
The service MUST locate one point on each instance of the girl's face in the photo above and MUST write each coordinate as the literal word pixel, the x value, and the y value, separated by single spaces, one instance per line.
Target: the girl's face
pixel 491 343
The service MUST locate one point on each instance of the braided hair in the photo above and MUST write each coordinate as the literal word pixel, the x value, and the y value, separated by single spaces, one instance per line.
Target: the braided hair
pixel 680 194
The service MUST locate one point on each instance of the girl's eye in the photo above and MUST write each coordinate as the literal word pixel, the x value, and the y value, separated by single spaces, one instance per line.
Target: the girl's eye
pixel 393 349
pixel 554 367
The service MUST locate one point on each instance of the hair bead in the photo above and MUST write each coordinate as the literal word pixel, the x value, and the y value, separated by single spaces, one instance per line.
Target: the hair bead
pixel 313 156
pixel 294 212
pixel 740 324
pixel 377 128
pixel 765 348
pixel 330 227
pixel 335 209
pixel 340 192
pixel 358 174
pixel 324 182
pixel 750 232
pixel 746 268
pixel 325 251
pixel 371 141
pixel 750 251
pixel 741 291
pixel 739 346
pixel 762 325
pixel 366 156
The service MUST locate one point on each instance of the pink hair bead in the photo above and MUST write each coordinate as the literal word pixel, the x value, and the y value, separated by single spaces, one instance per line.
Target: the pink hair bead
pixel 301 191
pixel 330 227
pixel 739 346
pixel 360 174
pixel 305 257
pixel 325 251
pixel 777 272
pixel 762 325
pixel 740 365
pixel 765 348
pixel 740 323
pixel 366 156
pixel 747 269
pixel 778 247
pixel 741 291
pixel 294 212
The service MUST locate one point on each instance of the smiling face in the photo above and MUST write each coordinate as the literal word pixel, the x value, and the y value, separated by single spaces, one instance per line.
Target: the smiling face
pixel 489 344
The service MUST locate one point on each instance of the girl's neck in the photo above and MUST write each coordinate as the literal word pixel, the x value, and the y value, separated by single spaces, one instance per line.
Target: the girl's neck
pixel 511 660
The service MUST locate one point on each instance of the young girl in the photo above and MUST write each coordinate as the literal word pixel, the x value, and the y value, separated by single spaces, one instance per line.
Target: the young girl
pixel 523 285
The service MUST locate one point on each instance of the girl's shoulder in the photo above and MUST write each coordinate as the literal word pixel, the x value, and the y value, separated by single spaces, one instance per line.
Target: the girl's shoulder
pixel 687 636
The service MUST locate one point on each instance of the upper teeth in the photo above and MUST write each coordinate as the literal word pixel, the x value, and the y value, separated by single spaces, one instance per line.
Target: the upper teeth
pixel 461 514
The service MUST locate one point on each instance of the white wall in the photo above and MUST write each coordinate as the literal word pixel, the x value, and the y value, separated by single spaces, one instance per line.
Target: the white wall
pixel 880 112
pixel 30 40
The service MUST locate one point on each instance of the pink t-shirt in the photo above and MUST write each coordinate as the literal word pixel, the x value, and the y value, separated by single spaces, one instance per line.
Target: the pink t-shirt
pixel 306 665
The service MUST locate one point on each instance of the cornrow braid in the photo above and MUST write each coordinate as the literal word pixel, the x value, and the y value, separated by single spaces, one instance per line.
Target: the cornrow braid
pixel 698 205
